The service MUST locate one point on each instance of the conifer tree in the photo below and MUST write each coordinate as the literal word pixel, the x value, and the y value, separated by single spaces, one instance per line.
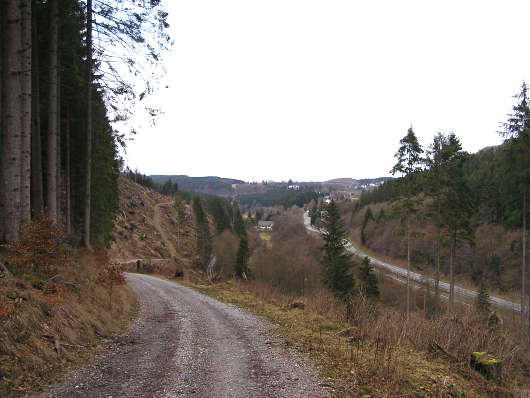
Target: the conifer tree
pixel 457 211
pixel 482 303
pixel 368 216
pixel 239 224
pixel 517 136
pixel 408 165
pixel 219 214
pixel 243 253
pixel 441 155
pixel 336 262
pixel 368 280
pixel 202 233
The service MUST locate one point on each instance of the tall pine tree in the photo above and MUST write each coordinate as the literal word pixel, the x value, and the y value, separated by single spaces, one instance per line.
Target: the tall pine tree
pixel 517 135
pixel 409 160
pixel 243 253
pixel 336 262
pixel 203 240
pixel 444 150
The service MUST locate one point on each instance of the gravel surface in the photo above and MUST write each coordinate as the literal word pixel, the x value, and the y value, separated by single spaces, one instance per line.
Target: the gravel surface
pixel 185 344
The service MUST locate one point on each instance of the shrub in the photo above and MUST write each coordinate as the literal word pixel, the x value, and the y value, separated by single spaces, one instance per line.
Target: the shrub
pixel 110 276
pixel 41 248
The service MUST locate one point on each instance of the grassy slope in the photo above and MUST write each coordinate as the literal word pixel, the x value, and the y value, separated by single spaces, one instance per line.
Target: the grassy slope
pixel 39 340
pixel 365 367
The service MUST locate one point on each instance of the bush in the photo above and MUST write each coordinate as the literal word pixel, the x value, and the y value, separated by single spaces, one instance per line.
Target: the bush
pixel 41 249
pixel 110 276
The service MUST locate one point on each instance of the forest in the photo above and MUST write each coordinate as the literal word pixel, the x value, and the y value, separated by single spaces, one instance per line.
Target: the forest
pixel 211 185
pixel 278 197
pixel 452 214
pixel 66 76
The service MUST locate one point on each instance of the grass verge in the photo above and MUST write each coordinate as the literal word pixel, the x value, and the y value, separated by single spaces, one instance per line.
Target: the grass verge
pixel 41 335
pixel 358 365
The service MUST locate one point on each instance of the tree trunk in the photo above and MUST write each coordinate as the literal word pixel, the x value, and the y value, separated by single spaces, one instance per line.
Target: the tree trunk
pixel 2 79
pixel 51 181
pixel 68 206
pixel 523 283
pixel 25 113
pixel 37 200
pixel 10 158
pixel 59 152
pixel 408 268
pixel 452 277
pixel 437 281
pixel 88 164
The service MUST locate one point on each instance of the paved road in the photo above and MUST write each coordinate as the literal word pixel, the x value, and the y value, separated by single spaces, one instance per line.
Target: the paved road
pixel 401 272
pixel 185 344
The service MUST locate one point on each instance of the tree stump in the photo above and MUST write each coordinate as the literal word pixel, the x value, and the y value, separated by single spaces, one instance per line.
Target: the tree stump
pixel 486 365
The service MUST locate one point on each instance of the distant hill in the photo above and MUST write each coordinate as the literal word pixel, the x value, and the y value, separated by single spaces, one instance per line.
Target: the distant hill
pixel 210 184
pixel 345 181
pixel 366 181
pixel 230 187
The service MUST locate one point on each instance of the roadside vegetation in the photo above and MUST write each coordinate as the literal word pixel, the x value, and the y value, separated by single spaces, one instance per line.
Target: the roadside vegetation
pixel 452 215
pixel 359 331
pixel 58 307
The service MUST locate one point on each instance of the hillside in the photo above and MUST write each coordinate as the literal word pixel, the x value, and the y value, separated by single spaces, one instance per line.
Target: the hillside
pixel 210 184
pixel 229 187
pixel 146 228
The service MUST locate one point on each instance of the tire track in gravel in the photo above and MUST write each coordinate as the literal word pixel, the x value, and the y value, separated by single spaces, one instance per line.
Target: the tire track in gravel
pixel 185 344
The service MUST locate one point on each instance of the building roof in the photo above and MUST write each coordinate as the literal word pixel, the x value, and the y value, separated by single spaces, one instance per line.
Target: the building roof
pixel 265 223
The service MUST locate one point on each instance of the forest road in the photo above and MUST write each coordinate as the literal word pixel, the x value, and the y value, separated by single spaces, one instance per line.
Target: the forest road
pixel 185 344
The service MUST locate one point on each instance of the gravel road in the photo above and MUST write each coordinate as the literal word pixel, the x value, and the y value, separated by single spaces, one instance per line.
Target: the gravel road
pixel 185 344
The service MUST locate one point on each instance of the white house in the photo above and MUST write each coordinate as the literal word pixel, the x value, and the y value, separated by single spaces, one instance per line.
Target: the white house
pixel 265 225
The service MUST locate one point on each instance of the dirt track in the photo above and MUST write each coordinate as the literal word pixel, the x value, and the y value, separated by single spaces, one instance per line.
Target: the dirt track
pixel 185 344
pixel 163 233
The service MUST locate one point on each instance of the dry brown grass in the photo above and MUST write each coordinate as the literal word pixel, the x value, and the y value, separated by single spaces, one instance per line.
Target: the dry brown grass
pixel 39 337
pixel 377 352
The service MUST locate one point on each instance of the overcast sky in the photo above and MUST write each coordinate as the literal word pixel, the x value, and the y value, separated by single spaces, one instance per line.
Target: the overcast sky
pixel 314 90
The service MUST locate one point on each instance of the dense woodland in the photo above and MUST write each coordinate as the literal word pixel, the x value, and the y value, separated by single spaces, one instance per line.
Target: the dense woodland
pixel 279 197
pixel 64 69
pixel 211 185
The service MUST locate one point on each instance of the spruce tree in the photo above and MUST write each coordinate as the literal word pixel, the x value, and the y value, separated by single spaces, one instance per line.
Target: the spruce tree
pixel 243 253
pixel 203 242
pixel 442 154
pixel 220 215
pixel 368 280
pixel 336 262
pixel 239 224
pixel 483 299
pixel 457 210
pixel 408 164
pixel 517 178
pixel 368 216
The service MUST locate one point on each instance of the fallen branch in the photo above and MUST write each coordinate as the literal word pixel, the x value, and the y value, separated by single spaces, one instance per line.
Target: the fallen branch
pixel 437 347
